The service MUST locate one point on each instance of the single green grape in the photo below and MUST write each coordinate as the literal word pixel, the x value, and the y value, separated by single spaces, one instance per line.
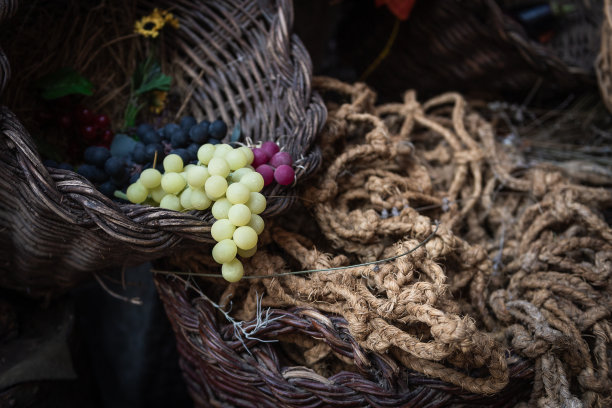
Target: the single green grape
pixel 222 150
pixel 197 176
pixel 239 215
pixel 238 193
pixel 157 194
pixel 245 237
pixel 173 183
pixel 257 223
pixel 199 199
pixel 215 187
pixel 236 159
pixel 187 167
pixel 254 181
pixel 171 202
pixel 185 199
pixel 256 203
pixel 224 251
pixel 222 229
pixel 220 208
pixel 150 178
pixel 205 153
pixel 235 176
pixel 247 253
pixel 232 271
pixel 137 193
pixel 217 166
pixel 173 163
pixel 248 153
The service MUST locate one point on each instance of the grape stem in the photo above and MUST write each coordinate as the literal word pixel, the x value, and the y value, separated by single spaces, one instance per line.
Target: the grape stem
pixel 242 330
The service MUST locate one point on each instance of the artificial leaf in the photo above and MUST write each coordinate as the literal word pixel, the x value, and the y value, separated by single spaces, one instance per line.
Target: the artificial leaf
pixel 148 77
pixel 65 81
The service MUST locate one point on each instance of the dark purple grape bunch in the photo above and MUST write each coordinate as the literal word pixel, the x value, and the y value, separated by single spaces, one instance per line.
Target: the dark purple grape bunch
pixel 273 164
pixel 116 168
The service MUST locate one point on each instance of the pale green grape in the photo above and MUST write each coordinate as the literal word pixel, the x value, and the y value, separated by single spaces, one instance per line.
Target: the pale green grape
pixel 215 187
pixel 157 194
pixel 257 223
pixel 187 167
pixel 222 149
pixel 185 198
pixel 184 176
pixel 248 153
pixel 254 181
pixel 199 199
pixel 171 202
pixel 173 163
pixel 150 178
pixel 239 215
pixel 224 251
pixel 236 159
pixel 137 193
pixel 197 176
pixel 222 229
pixel 245 238
pixel 238 193
pixel 217 166
pixel 173 183
pixel 235 176
pixel 256 203
pixel 206 152
pixel 248 253
pixel 220 208
pixel 232 271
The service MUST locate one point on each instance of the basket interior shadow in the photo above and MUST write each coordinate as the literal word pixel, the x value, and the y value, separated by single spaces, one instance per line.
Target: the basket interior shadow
pixel 233 59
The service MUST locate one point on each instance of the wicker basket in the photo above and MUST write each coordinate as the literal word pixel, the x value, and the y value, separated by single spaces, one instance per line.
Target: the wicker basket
pixel 57 228
pixel 219 371
pixel 475 47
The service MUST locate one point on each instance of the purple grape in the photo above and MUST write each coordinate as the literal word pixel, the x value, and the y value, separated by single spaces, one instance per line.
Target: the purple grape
pixel 217 129
pixel 179 139
pixel 267 173
pixel 259 157
pixel 108 189
pixel 150 137
pixel 284 175
pixel 270 148
pixel 115 167
pixel 143 129
pixel 199 133
pixel 169 129
pixel 96 155
pixel 187 123
pixel 281 158
pixel 139 154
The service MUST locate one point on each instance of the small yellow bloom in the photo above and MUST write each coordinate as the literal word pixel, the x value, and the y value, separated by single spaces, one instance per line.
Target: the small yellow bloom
pixel 158 101
pixel 149 26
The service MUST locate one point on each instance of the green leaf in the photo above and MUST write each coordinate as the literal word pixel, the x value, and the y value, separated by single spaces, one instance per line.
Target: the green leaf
pixel 148 77
pixel 65 81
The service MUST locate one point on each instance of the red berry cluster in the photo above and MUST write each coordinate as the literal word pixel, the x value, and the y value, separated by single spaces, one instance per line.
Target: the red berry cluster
pixel 273 164
pixel 93 128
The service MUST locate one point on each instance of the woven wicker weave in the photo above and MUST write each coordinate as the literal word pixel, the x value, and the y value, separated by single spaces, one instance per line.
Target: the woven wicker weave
pixel 604 60
pixel 242 63
pixel 477 47
pixel 219 372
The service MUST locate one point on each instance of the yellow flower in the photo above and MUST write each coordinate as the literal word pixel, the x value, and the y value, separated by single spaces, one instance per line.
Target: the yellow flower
pixel 149 26
pixel 158 101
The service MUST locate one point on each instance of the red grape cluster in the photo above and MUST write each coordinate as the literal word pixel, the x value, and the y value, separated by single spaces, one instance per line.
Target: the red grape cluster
pixel 92 127
pixel 273 164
